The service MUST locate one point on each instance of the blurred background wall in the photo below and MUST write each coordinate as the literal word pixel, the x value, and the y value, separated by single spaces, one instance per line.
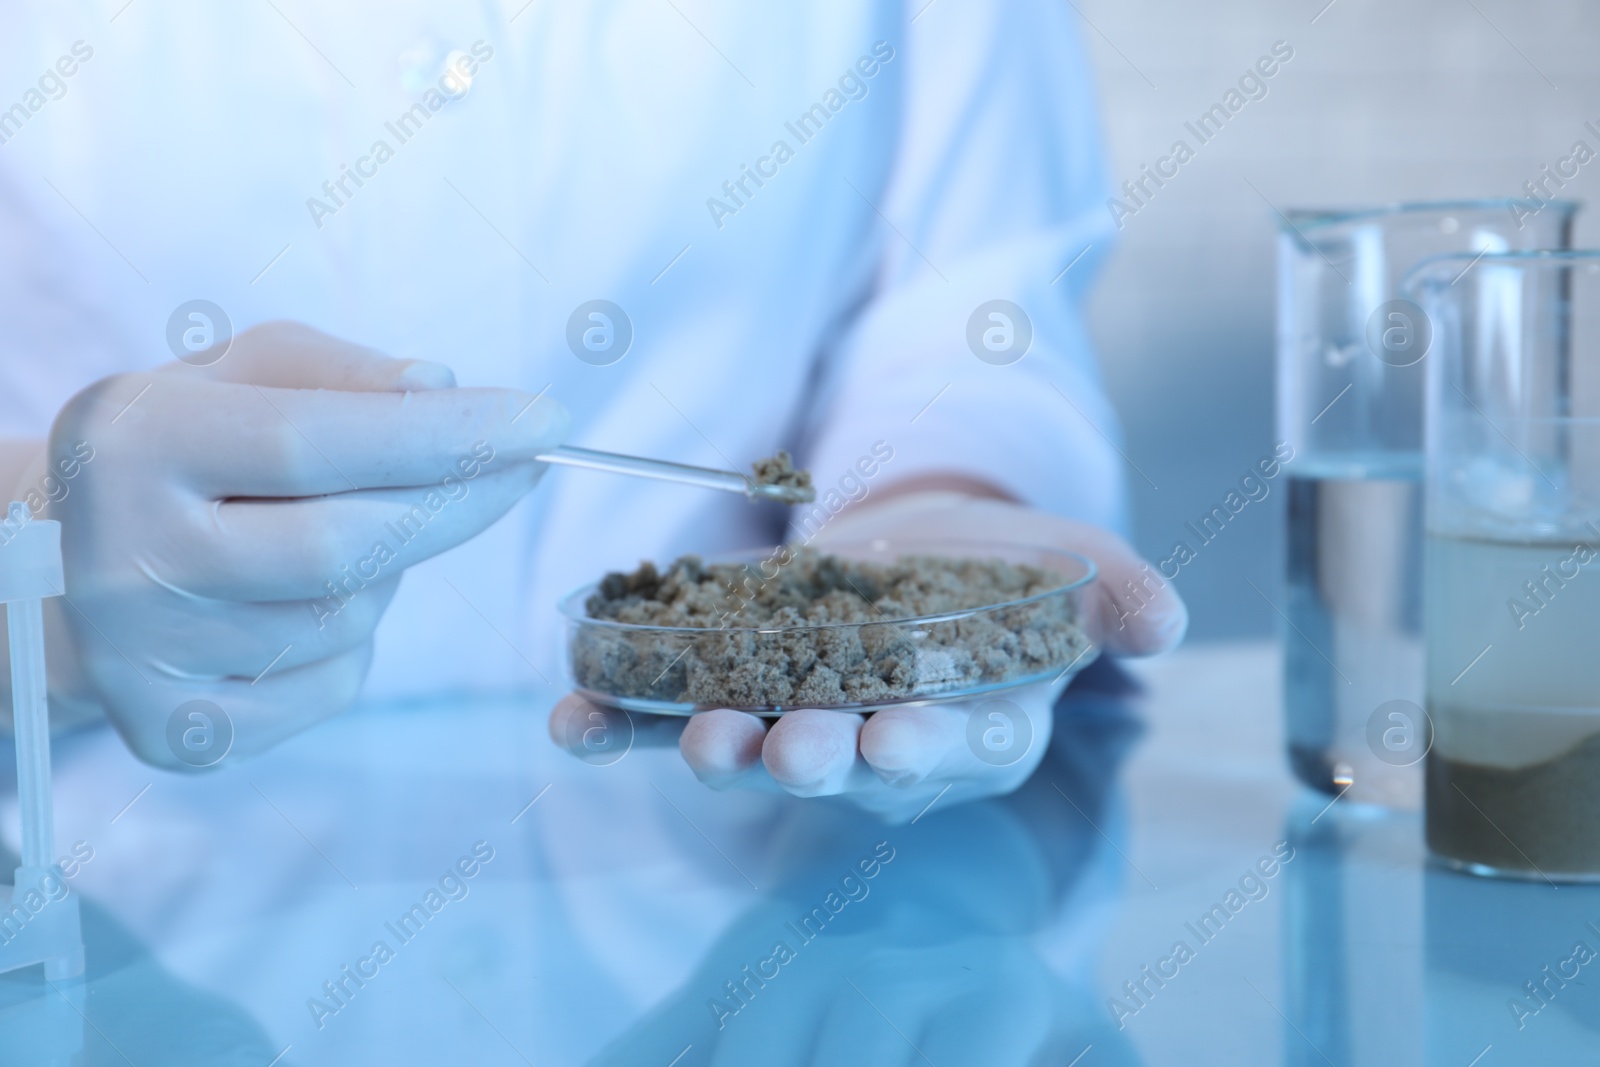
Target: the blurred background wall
pixel 1382 101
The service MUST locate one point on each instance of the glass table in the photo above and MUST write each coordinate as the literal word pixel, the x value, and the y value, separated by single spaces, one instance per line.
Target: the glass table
pixel 437 883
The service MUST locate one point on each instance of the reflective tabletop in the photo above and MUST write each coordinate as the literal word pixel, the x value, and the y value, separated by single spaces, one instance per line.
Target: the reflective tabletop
pixel 437 883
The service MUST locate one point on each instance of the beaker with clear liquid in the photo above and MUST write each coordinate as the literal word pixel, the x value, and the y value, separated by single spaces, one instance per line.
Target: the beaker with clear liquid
pixel 1351 354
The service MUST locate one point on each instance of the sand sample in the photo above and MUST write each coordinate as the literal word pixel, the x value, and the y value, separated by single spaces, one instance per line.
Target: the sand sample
pixel 780 470
pixel 1542 819
pixel 768 639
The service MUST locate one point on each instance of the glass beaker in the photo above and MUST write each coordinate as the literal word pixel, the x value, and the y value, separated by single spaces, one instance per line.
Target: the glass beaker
pixel 1513 562
pixel 1350 389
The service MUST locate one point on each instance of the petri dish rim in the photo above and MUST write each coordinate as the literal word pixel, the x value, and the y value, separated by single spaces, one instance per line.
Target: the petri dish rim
pixel 572 607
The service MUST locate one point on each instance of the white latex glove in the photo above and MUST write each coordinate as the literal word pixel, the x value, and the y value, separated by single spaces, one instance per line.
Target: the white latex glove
pixel 219 502
pixel 897 760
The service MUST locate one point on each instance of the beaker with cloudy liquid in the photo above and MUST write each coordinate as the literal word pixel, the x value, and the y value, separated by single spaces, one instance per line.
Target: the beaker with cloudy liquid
pixel 1512 598
pixel 1350 355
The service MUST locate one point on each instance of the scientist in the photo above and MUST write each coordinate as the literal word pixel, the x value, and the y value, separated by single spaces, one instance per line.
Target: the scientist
pixel 292 294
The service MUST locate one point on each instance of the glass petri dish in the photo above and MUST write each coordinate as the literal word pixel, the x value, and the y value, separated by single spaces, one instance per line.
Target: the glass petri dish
pixel 953 655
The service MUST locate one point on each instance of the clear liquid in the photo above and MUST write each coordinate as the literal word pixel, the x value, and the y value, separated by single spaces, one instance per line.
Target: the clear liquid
pixel 1514 694
pixel 1355 636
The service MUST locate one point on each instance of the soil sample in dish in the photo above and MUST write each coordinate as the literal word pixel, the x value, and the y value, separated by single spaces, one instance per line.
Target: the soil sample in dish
pixel 823 631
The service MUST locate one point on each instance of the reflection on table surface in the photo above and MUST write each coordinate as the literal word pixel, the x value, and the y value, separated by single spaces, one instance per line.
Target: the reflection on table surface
pixel 435 883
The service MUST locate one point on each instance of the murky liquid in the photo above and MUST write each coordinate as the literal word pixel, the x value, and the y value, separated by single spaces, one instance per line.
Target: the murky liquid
pixel 1514 693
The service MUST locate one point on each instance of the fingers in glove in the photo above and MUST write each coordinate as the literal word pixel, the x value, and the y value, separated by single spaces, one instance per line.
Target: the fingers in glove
pixel 723 747
pixel 813 753
pixel 997 741
pixel 598 733
pixel 319 547
pixel 257 716
pixel 222 440
pixel 219 639
pixel 1137 611
pixel 291 355
pixel 905 746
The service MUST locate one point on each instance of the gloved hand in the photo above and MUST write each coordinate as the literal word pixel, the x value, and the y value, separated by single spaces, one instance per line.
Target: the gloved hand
pixel 241 527
pixel 897 760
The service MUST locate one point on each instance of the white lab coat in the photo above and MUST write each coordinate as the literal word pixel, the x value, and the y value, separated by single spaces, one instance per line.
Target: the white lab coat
pixel 823 310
